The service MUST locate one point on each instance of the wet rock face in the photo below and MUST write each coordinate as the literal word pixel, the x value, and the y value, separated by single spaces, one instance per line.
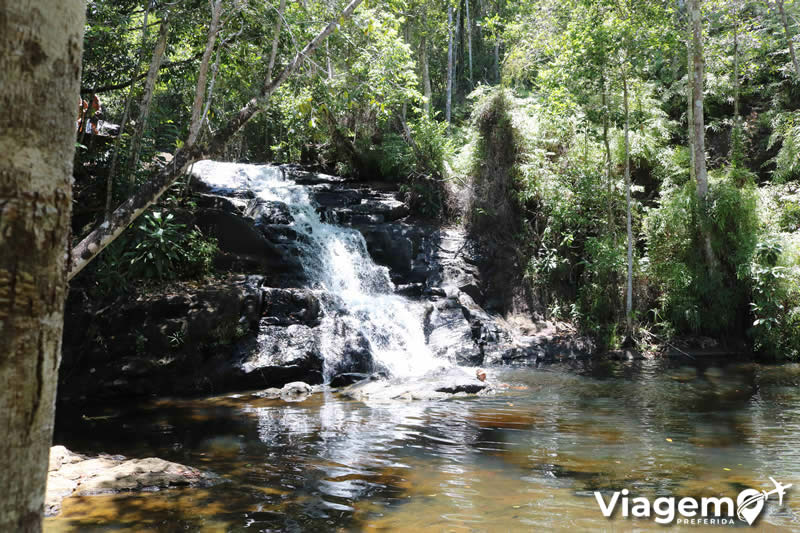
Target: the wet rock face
pixel 198 340
pixel 263 330
pixel 283 307
pixel 283 354
pixel 71 474
pixel 269 212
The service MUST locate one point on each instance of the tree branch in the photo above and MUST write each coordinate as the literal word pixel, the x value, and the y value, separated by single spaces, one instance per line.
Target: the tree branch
pixel 86 250
pixel 117 86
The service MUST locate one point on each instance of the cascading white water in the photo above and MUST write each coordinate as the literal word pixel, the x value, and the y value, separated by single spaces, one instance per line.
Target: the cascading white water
pixel 336 260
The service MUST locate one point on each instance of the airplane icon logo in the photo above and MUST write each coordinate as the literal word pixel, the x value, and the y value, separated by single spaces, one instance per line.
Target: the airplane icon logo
pixel 750 501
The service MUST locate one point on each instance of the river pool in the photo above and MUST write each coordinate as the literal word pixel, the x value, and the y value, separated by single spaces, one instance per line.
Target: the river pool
pixel 526 459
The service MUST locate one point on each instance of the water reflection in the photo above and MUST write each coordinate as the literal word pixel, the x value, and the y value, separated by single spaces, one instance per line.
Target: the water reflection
pixel 529 457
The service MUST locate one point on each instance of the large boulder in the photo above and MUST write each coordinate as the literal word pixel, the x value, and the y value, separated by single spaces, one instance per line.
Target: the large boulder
pixel 396 246
pixel 449 333
pixel 547 345
pixel 72 474
pixel 285 354
pixel 283 307
pixel 269 212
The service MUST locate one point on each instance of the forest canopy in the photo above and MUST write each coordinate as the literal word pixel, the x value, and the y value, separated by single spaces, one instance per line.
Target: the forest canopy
pixel 636 162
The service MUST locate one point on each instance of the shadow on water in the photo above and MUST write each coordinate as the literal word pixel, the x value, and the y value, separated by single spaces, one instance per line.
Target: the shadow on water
pixel 529 457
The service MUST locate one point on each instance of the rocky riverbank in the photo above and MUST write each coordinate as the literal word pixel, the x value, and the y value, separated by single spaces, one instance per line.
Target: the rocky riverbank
pixel 72 474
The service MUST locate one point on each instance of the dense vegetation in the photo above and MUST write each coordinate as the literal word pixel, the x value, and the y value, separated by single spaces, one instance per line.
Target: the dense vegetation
pixel 549 128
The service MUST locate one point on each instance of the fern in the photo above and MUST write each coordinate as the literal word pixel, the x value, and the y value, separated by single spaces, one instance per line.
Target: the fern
pixel 786 130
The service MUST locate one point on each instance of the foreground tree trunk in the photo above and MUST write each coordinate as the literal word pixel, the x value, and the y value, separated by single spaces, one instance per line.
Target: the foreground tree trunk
pixel 147 99
pixel 202 75
pixel 40 60
pixel 104 235
pixel 698 126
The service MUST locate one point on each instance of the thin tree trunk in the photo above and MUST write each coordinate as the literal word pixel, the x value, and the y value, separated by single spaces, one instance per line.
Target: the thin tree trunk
pixel 147 98
pixel 212 83
pixel 202 75
pixel 690 99
pixel 698 74
pixel 629 229
pixel 210 93
pixel 125 115
pixel 36 157
pixel 700 173
pixel 789 38
pixel 328 58
pixel 497 60
pixel 426 76
pixel 449 97
pixel 736 134
pixel 609 175
pixel 104 235
pixel 456 51
pixel 276 39
pixel 469 41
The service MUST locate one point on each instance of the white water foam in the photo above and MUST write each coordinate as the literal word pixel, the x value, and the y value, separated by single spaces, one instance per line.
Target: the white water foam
pixel 336 261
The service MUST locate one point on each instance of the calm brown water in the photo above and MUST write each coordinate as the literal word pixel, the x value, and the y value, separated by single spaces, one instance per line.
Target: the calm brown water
pixel 527 459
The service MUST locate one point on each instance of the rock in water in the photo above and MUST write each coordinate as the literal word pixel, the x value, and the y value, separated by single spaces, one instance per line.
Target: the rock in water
pixel 296 391
pixel 74 474
pixel 439 385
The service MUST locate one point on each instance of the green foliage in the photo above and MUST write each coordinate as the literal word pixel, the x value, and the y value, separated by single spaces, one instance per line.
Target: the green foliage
pixel 787 132
pixel 159 249
pixel 493 207
pixel 694 297
pixel 775 275
pixel 541 164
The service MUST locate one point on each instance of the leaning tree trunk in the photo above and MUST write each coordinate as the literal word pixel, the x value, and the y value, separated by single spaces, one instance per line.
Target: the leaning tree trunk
pixel 147 99
pixel 789 39
pixel 449 100
pixel 698 133
pixel 40 59
pixel 86 250
pixel 125 115
pixel 202 75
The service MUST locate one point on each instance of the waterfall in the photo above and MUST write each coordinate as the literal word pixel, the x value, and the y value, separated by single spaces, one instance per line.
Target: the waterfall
pixel 358 295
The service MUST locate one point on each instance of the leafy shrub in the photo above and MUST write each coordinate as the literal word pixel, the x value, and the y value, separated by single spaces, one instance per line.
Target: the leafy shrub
pixel 693 296
pixel 775 274
pixel 493 206
pixel 159 249
pixel 786 130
